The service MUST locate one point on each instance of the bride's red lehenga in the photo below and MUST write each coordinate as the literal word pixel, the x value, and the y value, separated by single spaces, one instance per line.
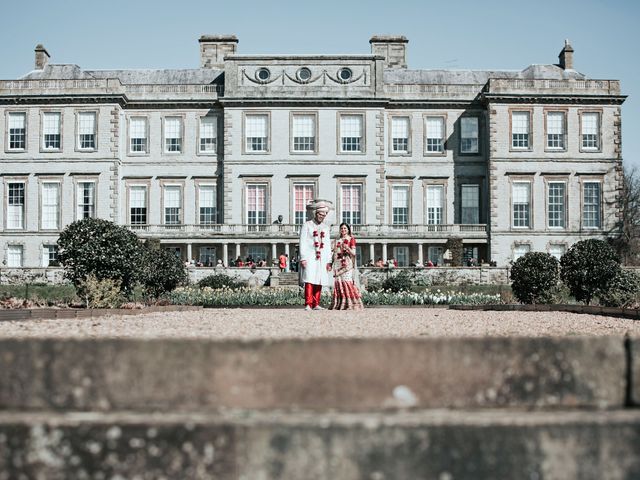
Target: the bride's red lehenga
pixel 346 294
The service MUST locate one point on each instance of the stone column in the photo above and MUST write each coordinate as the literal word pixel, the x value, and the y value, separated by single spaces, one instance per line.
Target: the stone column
pixel 274 253
pixel 286 249
pixel 372 251
pixel 420 253
pixel 384 252
pixel 237 250
pixel 189 252
pixel 225 254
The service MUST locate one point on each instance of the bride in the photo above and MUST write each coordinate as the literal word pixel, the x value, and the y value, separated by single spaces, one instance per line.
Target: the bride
pixel 346 294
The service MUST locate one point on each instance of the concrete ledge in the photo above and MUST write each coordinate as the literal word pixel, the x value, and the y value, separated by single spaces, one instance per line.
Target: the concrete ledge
pixel 51 313
pixel 634 371
pixel 248 446
pixel 321 374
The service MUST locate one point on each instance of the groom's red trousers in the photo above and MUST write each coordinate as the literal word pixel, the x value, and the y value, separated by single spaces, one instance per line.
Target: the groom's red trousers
pixel 312 294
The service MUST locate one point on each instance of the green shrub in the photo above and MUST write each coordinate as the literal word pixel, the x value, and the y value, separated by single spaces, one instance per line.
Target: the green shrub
pixel 454 245
pixel 534 278
pixel 587 268
pixel 225 297
pixel 220 280
pixel 105 293
pixel 100 248
pixel 162 271
pixel 400 282
pixel 622 290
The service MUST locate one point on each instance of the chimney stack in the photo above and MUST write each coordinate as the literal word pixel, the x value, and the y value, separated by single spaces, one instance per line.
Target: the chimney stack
pixel 392 47
pixel 42 57
pixel 566 56
pixel 213 49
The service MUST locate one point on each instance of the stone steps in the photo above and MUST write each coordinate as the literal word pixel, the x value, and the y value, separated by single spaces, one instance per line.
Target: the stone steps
pixel 374 409
pixel 341 374
pixel 288 279
pixel 434 444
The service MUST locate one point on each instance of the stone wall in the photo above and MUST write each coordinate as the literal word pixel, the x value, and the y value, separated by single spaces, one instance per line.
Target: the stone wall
pixel 420 276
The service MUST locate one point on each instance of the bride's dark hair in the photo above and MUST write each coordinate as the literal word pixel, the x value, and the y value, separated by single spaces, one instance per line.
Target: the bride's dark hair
pixel 346 225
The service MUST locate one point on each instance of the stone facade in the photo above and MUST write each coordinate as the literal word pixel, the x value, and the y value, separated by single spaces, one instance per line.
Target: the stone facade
pixel 207 159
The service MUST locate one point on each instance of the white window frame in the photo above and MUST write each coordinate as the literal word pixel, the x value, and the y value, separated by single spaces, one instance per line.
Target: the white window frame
pixel 207 255
pixel 552 201
pixel 80 197
pixel 434 145
pixel 401 255
pixel 351 188
pixel 361 142
pixel 52 129
pixel 400 135
pixel 299 216
pixel 79 130
pixel 172 145
pixel 597 136
pixel 435 214
pixel 46 223
pixel 210 143
pixel 23 135
pixel 435 253
pixel 598 209
pixel 473 148
pixel 523 217
pixel 468 187
pixel 521 133
pixel 206 215
pixel 393 207
pixel 305 144
pixel 520 250
pixel 144 143
pixel 172 204
pixel 556 139
pixel 253 147
pixel 259 219
pixel 21 211
pixel 138 187
pixel 15 252
pixel 552 250
pixel 46 254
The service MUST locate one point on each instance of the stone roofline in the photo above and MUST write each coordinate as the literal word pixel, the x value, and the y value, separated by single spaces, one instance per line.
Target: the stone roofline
pixel 316 57
pixel 218 38
pixel 389 39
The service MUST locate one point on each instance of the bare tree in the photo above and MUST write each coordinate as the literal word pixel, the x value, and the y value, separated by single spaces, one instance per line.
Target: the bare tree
pixel 627 238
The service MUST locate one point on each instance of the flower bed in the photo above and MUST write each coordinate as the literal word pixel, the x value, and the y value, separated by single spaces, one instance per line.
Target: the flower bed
pixel 266 297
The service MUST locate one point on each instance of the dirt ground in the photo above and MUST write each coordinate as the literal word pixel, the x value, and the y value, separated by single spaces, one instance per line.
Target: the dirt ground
pixel 296 323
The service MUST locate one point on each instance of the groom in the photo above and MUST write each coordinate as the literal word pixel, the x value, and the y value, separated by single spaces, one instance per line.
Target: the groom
pixel 315 254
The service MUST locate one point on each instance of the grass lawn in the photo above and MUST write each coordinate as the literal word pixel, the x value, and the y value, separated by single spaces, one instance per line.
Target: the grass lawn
pixel 41 293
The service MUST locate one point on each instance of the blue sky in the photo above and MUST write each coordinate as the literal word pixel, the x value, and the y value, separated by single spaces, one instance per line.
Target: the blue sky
pixel 458 34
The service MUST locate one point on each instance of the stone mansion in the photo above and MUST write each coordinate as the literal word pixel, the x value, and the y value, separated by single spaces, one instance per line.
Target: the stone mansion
pixel 207 159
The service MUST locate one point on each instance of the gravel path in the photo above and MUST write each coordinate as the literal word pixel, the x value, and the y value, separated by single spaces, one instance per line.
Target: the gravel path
pixel 290 323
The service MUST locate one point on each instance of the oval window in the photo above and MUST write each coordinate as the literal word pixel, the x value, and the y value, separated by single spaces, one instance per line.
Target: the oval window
pixel 304 74
pixel 345 74
pixel 263 74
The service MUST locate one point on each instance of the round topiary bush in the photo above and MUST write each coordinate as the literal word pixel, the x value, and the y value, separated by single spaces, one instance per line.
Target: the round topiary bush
pixel 400 282
pixel 587 268
pixel 535 277
pixel 97 247
pixel 162 270
pixel 220 280
pixel 623 290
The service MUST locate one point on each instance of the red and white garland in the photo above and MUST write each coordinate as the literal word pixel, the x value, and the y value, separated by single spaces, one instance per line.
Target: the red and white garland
pixel 344 251
pixel 319 245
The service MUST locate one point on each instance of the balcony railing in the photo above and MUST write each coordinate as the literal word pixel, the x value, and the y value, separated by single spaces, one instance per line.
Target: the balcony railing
pixel 109 86
pixel 569 86
pixel 290 230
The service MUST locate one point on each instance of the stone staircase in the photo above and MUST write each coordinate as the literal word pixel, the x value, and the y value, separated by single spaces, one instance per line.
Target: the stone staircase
pixel 288 279
pixel 374 409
